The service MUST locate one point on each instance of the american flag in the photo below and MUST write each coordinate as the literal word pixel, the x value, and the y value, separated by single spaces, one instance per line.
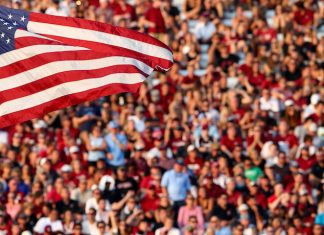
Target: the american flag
pixel 50 62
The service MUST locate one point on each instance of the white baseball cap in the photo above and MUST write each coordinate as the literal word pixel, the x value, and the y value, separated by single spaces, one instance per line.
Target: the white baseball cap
pixel 66 168
pixel 74 149
pixel 191 148
pixel 243 207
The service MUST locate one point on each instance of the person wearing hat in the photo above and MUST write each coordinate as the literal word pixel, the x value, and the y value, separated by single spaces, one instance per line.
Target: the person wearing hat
pixel 138 160
pixel 176 139
pixel 192 161
pixel 116 145
pixel 176 184
pixel 292 114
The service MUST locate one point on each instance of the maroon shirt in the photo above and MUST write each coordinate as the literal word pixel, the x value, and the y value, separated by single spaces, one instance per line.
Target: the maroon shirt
pixel 154 15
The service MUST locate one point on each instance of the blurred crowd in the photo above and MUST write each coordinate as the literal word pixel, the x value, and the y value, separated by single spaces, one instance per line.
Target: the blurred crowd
pixel 230 141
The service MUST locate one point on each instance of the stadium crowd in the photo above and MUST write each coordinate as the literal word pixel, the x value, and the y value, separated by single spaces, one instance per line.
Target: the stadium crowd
pixel 230 141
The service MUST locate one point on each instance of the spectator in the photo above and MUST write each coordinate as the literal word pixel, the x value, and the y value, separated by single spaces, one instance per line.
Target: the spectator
pixel 48 224
pixel 168 228
pixel 89 226
pixel 116 143
pixel 236 124
pixel 176 184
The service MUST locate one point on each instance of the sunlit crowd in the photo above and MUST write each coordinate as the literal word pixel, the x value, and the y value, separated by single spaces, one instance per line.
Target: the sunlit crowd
pixel 230 141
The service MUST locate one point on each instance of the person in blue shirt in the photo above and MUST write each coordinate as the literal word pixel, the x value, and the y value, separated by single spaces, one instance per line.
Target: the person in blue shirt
pixel 116 145
pixel 176 184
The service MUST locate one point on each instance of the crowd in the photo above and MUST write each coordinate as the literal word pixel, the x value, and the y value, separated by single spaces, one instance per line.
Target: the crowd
pixel 230 141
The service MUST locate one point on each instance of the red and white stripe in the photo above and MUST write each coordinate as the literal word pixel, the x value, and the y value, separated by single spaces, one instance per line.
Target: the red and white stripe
pixel 62 61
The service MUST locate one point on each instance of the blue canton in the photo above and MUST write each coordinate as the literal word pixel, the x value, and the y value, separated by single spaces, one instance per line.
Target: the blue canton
pixel 10 21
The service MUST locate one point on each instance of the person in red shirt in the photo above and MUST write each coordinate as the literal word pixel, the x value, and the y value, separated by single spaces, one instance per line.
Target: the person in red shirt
pixel 318 115
pixel 154 19
pixel 278 198
pixel 255 193
pixel 303 16
pixel 123 10
pixel 212 190
pixel 305 161
pixel 56 161
pixel 142 228
pixel 246 68
pixel 150 201
pixel 4 225
pixel 264 34
pixel 138 160
pixel 151 179
pixel 256 77
pixel 256 139
pixel 287 138
pixel 189 81
pixel 230 140
pixel 192 161
pixel 234 196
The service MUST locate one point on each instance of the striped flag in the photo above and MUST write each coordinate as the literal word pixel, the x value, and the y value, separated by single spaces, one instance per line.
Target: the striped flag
pixel 50 62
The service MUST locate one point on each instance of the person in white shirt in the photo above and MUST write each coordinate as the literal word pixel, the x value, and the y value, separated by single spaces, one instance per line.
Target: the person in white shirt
pixel 168 228
pixel 81 194
pixel 89 225
pixel 52 221
pixel 268 102
pixel 204 29
pixel 138 119
pixel 55 9
pixel 102 228
pixel 93 202
pixel 102 213
pixel 66 5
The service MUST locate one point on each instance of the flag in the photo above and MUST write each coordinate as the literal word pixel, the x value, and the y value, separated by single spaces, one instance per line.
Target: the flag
pixel 50 62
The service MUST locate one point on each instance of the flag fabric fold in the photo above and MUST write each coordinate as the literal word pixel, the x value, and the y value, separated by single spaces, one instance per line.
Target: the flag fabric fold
pixel 51 62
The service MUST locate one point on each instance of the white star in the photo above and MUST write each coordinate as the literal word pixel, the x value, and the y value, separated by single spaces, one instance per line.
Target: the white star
pixel 15 23
pixel 8 40
pixel 10 27
pixel 2 35
pixel 1 20
pixel 5 23
pixel 23 19
pixel 9 16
